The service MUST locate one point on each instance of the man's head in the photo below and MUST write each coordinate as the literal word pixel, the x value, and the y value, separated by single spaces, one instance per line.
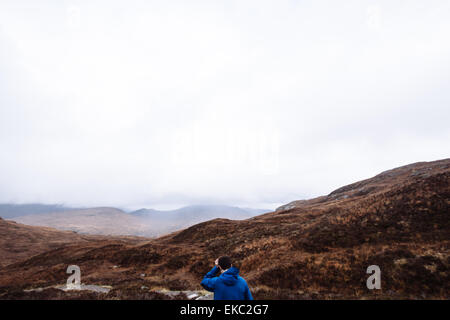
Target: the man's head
pixel 224 262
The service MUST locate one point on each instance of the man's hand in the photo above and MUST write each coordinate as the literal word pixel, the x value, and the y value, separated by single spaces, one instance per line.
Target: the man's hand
pixel 216 263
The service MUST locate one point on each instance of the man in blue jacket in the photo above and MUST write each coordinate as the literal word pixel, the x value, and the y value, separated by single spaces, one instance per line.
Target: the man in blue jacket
pixel 228 285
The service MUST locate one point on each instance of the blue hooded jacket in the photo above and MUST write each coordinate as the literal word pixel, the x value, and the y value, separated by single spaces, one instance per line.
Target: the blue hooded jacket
pixel 227 286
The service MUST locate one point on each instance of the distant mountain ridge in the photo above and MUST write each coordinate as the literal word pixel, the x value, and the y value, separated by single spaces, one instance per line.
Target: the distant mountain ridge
pixel 18 241
pixel 211 211
pixel 114 221
pixel 10 211
pixel 310 249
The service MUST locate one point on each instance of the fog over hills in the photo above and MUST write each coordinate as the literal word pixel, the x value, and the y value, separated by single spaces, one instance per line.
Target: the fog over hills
pixel 18 241
pixel 318 248
pixel 142 140
pixel 114 221
pixel 10 211
pixel 196 212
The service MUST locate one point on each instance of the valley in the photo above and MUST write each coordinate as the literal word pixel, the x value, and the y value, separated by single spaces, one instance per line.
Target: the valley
pixel 310 249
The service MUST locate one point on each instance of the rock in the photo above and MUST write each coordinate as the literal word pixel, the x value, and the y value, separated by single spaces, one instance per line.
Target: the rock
pixel 208 296
pixel 72 287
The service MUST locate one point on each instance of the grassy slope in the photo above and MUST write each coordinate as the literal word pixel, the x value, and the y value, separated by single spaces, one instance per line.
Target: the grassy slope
pixel 318 248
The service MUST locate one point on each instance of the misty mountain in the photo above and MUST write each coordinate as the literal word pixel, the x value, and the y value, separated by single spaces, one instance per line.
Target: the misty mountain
pixel 201 212
pixel 143 222
pixel 95 221
pixel 316 248
pixel 10 211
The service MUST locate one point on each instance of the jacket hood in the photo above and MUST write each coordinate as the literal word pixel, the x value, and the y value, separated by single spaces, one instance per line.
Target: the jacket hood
pixel 230 277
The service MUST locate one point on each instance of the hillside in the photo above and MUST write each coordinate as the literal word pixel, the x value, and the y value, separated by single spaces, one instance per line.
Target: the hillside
pixel 18 241
pixel 318 248
pixel 173 220
pixel 143 222
pixel 100 221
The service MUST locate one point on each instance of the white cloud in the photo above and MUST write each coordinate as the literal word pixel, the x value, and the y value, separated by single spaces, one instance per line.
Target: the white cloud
pixel 240 102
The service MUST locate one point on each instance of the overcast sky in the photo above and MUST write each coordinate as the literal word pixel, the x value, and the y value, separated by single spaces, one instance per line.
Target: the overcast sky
pixel 254 103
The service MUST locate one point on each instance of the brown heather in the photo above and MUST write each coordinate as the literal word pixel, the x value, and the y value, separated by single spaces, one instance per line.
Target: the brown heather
pixel 311 249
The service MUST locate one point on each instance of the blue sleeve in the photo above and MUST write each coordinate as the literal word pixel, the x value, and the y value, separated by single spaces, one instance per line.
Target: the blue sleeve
pixel 209 281
pixel 247 294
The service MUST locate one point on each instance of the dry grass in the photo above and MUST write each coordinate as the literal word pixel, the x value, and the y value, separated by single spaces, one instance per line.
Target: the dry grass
pixel 317 249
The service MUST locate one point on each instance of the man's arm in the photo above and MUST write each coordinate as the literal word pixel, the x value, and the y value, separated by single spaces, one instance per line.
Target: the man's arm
pixel 247 293
pixel 209 281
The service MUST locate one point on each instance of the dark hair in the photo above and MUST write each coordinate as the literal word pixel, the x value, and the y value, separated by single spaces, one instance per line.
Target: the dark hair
pixel 224 262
